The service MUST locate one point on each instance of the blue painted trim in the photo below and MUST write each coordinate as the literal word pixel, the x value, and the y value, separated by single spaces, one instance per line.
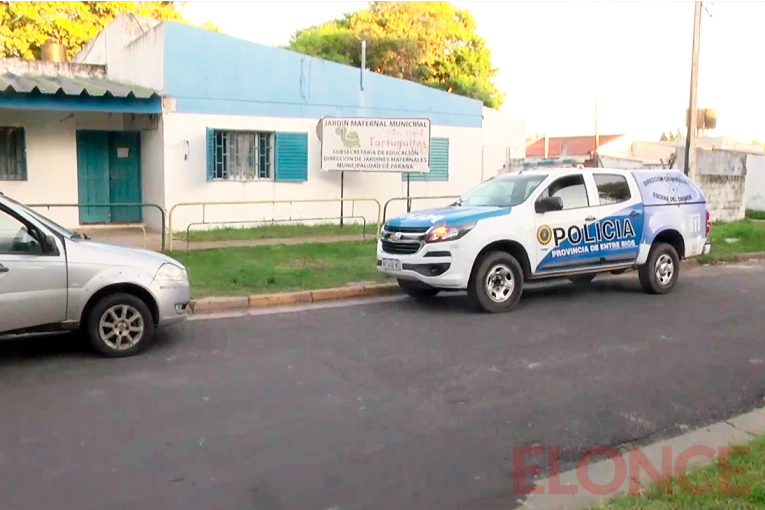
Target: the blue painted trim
pixel 273 82
pixel 37 101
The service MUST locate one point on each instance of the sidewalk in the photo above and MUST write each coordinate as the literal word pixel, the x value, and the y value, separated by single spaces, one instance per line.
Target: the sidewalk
pixel 134 237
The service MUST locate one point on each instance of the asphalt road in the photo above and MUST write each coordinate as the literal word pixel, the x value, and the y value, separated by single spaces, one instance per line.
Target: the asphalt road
pixel 390 405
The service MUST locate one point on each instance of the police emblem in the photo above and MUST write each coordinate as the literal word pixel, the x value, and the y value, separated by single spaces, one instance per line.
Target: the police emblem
pixel 544 234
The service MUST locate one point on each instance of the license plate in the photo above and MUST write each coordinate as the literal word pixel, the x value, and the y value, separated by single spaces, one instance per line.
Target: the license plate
pixel 394 264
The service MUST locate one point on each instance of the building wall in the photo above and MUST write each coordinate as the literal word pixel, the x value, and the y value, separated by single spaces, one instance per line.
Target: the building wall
pixel 504 139
pixel 186 179
pixel 244 78
pixel 52 158
pixel 722 176
pixel 755 182
pixel 131 48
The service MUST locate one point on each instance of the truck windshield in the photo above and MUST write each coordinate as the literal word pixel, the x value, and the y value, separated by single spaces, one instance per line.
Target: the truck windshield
pixel 503 191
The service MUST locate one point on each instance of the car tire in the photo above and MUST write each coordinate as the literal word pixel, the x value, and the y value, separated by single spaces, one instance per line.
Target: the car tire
pixel 660 272
pixel 488 289
pixel 119 325
pixel 417 291
pixel 582 279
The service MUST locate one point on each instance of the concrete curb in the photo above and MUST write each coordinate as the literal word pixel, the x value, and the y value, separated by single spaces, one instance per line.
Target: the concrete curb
pixel 221 304
pixel 224 304
pixel 735 431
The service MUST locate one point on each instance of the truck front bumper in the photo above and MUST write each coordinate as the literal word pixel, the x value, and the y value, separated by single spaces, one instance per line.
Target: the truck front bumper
pixel 441 265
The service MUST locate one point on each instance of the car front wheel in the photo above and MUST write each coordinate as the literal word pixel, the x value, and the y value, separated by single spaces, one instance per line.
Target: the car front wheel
pixel 119 325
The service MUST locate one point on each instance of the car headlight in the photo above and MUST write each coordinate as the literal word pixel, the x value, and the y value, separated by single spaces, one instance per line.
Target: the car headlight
pixel 171 273
pixel 441 233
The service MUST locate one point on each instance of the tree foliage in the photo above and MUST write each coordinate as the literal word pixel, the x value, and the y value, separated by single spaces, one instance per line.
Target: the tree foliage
pixel 432 43
pixel 26 26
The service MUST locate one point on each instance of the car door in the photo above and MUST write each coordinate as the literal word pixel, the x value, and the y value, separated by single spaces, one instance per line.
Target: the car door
pixel 620 217
pixel 33 284
pixel 565 238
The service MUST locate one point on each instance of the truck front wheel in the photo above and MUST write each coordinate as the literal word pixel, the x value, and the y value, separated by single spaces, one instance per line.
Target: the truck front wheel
pixel 660 272
pixel 119 325
pixel 496 284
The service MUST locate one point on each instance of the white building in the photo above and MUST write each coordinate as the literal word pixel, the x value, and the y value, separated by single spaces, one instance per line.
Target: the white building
pixel 166 113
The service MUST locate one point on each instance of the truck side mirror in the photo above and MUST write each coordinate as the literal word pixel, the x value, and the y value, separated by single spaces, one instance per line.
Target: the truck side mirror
pixel 548 204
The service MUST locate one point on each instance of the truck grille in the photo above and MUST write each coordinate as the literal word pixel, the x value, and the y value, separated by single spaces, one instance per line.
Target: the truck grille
pixel 406 230
pixel 400 248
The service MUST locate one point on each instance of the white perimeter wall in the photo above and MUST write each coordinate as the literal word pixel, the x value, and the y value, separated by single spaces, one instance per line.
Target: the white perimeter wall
pixel 755 182
pixel 186 179
pixel 52 160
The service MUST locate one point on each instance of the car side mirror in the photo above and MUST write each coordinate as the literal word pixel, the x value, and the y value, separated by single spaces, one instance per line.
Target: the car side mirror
pixel 548 204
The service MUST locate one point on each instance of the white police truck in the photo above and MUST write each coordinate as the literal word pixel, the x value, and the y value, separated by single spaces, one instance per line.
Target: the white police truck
pixel 555 223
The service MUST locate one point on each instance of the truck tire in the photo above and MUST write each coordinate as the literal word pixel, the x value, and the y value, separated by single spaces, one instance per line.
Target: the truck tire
pixel 496 284
pixel 582 279
pixel 660 272
pixel 417 291
pixel 119 325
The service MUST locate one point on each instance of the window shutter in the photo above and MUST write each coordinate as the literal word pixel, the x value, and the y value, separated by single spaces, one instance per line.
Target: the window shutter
pixel 210 154
pixel 439 163
pixel 23 163
pixel 291 157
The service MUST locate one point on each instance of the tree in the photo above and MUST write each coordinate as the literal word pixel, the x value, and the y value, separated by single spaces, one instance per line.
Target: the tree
pixel 432 43
pixel 663 137
pixel 26 26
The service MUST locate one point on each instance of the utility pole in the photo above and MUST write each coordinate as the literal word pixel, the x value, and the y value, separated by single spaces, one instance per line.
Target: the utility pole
pixel 690 139
pixel 597 135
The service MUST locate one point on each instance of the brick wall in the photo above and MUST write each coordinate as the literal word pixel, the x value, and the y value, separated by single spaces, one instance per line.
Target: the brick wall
pixel 722 177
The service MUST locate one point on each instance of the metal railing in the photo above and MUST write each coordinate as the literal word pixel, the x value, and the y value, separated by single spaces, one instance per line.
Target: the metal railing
pixel 115 225
pixel 409 203
pixel 271 222
pixel 204 206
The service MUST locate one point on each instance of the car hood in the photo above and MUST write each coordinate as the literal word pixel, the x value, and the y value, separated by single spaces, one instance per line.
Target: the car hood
pixel 450 216
pixel 113 254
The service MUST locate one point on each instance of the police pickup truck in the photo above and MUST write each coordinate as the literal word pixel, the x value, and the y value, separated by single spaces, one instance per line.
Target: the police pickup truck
pixel 556 223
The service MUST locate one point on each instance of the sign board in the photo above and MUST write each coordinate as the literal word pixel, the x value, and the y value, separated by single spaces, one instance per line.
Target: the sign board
pixel 356 144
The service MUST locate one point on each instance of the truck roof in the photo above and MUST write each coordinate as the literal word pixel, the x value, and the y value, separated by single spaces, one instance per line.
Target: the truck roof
pixel 595 169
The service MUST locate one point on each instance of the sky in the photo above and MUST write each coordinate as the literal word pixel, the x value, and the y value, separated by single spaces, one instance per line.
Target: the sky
pixel 555 58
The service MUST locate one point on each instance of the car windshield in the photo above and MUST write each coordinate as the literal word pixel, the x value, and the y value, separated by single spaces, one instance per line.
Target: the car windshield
pixel 45 221
pixel 503 191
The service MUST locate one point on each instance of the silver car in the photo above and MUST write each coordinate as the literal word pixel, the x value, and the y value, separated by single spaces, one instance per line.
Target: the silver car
pixel 53 280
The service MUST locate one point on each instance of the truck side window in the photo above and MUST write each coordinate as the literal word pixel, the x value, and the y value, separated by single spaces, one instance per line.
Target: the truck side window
pixel 612 189
pixel 571 189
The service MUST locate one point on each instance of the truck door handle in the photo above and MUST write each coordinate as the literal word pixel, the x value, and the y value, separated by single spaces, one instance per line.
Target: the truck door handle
pixel 3 269
pixel 590 218
pixel 635 213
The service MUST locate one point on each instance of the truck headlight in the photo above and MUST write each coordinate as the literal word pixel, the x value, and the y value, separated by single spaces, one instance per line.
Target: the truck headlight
pixel 441 233
pixel 171 273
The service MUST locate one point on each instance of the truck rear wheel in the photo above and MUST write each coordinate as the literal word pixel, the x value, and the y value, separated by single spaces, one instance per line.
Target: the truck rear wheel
pixel 417 291
pixel 496 284
pixel 660 272
pixel 119 325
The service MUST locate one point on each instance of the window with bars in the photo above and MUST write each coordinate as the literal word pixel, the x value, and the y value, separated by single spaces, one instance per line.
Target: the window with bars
pixel 242 155
pixel 13 160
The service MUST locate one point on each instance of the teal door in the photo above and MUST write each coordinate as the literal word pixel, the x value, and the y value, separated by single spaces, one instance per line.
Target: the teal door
pixel 93 175
pixel 109 172
pixel 125 176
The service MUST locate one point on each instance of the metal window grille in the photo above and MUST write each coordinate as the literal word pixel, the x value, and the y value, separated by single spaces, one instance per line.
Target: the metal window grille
pixel 12 154
pixel 243 155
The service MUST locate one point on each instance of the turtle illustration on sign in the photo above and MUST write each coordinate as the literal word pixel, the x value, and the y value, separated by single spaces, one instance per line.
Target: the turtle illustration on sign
pixel 349 140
